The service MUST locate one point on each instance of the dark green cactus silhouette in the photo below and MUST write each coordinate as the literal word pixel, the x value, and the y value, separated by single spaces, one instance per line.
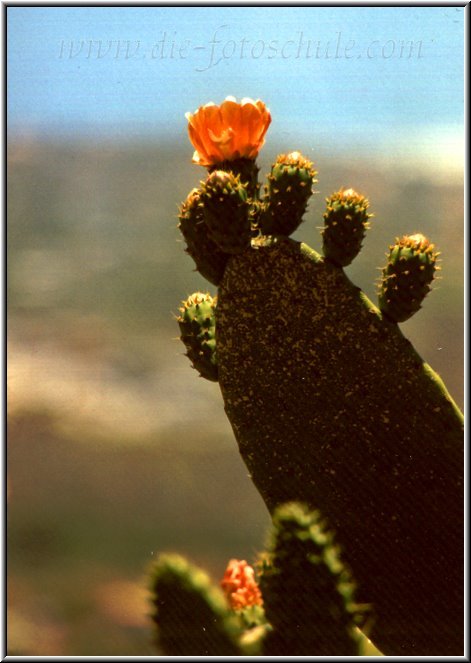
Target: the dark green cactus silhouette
pixel 333 407
pixel 308 599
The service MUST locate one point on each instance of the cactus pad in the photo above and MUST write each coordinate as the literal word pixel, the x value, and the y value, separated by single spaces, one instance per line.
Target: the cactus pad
pixel 407 277
pixel 289 189
pixel 209 259
pixel 333 407
pixel 307 588
pixel 198 330
pixel 226 211
pixel 345 224
pixel 191 614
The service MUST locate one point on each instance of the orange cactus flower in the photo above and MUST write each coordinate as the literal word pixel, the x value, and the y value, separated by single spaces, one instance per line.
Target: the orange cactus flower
pixel 229 131
pixel 239 585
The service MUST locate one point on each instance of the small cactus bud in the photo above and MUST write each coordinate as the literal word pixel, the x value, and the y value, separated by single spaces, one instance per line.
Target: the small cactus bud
pixel 210 261
pixel 247 170
pixel 198 332
pixel 226 210
pixel 407 277
pixel 289 189
pixel 345 225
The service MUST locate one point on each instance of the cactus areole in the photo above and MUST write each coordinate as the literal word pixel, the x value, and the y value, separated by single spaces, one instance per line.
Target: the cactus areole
pixel 331 405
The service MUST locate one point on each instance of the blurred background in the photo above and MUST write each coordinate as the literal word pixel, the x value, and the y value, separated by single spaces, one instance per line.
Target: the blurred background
pixel 117 451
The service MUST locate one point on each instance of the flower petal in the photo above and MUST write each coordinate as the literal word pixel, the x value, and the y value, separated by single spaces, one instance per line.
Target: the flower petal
pixel 230 114
pixel 229 131
pixel 208 117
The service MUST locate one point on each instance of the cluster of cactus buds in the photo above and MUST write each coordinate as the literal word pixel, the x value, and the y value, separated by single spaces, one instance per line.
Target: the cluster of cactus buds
pixel 225 215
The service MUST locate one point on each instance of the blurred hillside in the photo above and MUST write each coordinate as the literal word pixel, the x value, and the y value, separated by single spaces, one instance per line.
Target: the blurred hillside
pixel 117 450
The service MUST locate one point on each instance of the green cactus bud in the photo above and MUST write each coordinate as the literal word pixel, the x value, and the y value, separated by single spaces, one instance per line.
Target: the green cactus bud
pixel 289 189
pixel 191 614
pixel 407 277
pixel 198 332
pixel 209 259
pixel 226 210
pixel 247 169
pixel 345 225
pixel 307 589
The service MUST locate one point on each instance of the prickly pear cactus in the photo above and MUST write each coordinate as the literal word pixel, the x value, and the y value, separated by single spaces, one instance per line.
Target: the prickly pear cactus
pixel 329 402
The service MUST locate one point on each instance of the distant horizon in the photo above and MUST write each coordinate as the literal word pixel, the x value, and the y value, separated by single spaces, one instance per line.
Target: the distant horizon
pixel 439 150
pixel 333 74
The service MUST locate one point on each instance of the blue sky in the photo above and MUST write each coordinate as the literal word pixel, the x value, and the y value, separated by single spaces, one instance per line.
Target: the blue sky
pixel 339 73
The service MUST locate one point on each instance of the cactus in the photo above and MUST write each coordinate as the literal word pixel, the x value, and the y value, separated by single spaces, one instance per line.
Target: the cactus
pixel 305 607
pixel 331 406
pixel 345 224
pixel 407 276
pixel 197 325
pixel 308 591
pixel 288 191
pixel 210 260
pixel 191 615
pixel 226 211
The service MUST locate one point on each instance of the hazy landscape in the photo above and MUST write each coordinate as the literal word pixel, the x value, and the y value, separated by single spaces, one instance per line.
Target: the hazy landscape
pixel 116 449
